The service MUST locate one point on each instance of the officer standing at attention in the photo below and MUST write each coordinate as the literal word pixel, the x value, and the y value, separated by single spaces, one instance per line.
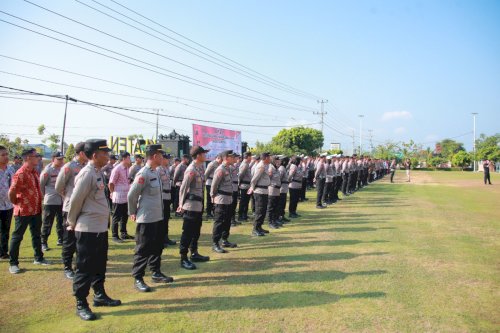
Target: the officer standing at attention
pixel 65 184
pixel 191 206
pixel 106 172
pixel 209 176
pixel 166 183
pixel 134 169
pixel 119 185
pixel 88 215
pixel 244 178
pixel 52 201
pixel 283 170
pixel 175 196
pixel 178 178
pixel 273 203
pixel 319 179
pixel 259 188
pixel 295 175
pixel 145 207
pixel 235 169
pixel 486 171
pixel 222 197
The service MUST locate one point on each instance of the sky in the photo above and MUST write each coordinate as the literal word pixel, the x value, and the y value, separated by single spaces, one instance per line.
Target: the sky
pixel 414 70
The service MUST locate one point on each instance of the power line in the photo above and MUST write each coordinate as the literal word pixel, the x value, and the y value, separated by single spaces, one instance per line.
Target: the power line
pixel 127 85
pixel 182 78
pixel 150 113
pixel 146 49
pixel 244 72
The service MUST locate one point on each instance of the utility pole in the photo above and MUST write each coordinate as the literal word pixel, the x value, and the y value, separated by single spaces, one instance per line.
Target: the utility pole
pixel 157 122
pixel 474 114
pixel 64 122
pixel 360 134
pixel 322 114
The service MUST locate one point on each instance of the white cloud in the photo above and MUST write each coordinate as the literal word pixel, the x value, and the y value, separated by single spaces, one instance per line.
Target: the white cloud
pixel 396 115
pixel 400 130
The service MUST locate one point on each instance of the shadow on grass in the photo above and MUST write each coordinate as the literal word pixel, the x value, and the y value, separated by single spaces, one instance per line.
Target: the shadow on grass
pixel 271 301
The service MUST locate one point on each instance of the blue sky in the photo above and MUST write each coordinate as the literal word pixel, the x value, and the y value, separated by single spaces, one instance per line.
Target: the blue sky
pixel 414 69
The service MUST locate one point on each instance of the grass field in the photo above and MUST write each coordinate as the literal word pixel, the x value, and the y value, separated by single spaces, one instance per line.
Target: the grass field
pixel 404 257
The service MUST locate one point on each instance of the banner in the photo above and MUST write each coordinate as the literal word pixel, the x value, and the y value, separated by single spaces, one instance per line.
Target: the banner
pixel 216 139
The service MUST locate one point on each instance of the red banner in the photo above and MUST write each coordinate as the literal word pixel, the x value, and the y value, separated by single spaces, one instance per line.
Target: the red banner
pixel 216 139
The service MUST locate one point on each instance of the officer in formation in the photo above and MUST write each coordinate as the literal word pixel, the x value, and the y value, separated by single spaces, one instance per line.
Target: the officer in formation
pixel 259 187
pixel 191 207
pixel 166 181
pixel 52 200
pixel 244 178
pixel 119 185
pixel 134 169
pixel 209 176
pixel 221 193
pixel 88 216
pixel 145 202
pixel 179 172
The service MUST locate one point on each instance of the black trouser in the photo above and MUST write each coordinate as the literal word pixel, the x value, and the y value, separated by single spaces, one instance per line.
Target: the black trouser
pixel 234 204
pixel 210 205
pixel 273 205
pixel 120 217
pixel 282 204
pixel 294 200
pixel 190 232
pixel 21 224
pixel 49 213
pixel 349 181
pixel 91 259
pixel 320 187
pixel 360 178
pixel 303 189
pixel 326 192
pixel 252 201
pixel 166 217
pixel 175 198
pixel 107 193
pixel 392 175
pixel 149 238
pixel 260 209
pixel 222 222
pixel 69 244
pixel 345 181
pixel 5 219
pixel 487 177
pixel 244 200
pixel 338 186
pixel 310 178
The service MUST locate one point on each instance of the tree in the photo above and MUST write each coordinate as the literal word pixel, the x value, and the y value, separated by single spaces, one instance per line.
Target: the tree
pixel 437 160
pixel 386 151
pixel 450 147
pixel 70 152
pixel 335 152
pixel 52 139
pixel 14 147
pixel 270 147
pixel 488 147
pixel 300 139
pixel 461 159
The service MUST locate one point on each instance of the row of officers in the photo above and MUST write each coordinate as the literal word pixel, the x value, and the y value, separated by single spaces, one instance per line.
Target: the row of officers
pixel 80 194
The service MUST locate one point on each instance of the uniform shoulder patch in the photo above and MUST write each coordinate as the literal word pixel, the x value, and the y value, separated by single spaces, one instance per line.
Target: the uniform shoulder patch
pixel 67 169
pixel 191 174
pixel 140 180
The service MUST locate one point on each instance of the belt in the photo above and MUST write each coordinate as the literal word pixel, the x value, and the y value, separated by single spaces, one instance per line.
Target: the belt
pixel 244 182
pixel 224 193
pixel 285 183
pixel 210 177
pixel 194 197
pixel 235 182
pixel 167 191
pixel 260 186
pixel 275 186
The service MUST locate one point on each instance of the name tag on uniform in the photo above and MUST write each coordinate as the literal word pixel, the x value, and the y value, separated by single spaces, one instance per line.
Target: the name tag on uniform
pixel 152 179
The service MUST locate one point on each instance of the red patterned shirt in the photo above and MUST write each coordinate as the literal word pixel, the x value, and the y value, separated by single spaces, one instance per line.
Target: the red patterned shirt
pixel 26 183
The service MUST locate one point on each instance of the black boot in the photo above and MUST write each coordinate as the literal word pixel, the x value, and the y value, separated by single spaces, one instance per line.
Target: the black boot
pixel 196 257
pixel 140 285
pixel 159 277
pixel 69 273
pixel 216 248
pixel 102 299
pixel 83 311
pixel 186 263
pixel 170 242
pixel 264 231
pixel 226 243
pixel 257 233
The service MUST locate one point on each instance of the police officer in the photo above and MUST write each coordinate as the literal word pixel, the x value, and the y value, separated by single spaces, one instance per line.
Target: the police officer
pixel 273 203
pixel 191 206
pixel 52 201
pixel 166 182
pixel 327 192
pixel 244 178
pixel 283 170
pixel 178 178
pixel 145 207
pixel 222 197
pixel 209 176
pixel 235 169
pixel 134 169
pixel 259 188
pixel 119 185
pixel 65 184
pixel 175 195
pixel 88 215
pixel 319 179
pixel 295 175
pixel 106 172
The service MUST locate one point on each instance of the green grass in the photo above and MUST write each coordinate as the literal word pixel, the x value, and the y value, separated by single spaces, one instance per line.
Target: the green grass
pixel 403 257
